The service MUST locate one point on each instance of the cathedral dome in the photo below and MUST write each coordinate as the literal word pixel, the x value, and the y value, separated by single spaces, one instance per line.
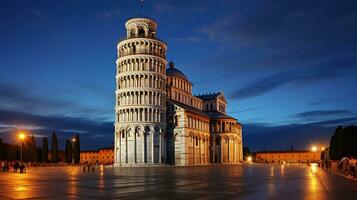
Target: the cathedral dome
pixel 171 71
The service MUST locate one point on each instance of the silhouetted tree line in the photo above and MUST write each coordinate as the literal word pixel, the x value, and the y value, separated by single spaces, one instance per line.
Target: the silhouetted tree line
pixel 9 151
pixel 32 153
pixel 343 143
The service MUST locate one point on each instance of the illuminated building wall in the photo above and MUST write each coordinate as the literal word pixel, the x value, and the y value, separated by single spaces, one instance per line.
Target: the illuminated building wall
pixel 102 156
pixel 288 156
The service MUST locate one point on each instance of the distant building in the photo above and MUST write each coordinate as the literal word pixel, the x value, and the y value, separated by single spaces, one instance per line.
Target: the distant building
pixel 102 156
pixel 303 156
pixel 90 157
pixel 106 155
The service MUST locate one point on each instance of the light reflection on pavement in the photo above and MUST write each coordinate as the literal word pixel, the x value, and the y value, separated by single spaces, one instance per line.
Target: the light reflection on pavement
pixel 251 181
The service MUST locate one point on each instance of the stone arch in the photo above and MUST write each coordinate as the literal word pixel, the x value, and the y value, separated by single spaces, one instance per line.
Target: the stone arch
pixel 139 130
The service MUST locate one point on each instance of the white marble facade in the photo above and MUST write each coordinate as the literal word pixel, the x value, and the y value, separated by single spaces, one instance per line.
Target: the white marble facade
pixel 157 119
pixel 140 96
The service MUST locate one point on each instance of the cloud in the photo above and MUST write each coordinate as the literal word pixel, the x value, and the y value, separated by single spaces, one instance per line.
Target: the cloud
pixel 65 127
pixel 12 97
pixel 318 114
pixel 296 78
pixel 244 110
pixel 284 21
pixel 16 99
pixel 260 136
pixel 283 37
pixel 327 101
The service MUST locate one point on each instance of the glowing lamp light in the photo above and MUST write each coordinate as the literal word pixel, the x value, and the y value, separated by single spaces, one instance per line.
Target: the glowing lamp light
pixel 322 148
pixel 314 148
pixel 249 159
pixel 74 140
pixel 22 136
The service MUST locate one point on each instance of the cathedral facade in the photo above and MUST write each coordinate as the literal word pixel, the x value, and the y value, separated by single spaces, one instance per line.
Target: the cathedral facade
pixel 157 119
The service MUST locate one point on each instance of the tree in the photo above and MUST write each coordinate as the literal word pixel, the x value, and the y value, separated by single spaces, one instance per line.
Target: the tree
pixel 26 149
pixel 54 148
pixel 336 144
pixel 2 150
pixel 11 152
pixel 76 149
pixel 350 141
pixel 343 143
pixel 354 141
pixel 332 152
pixel 33 149
pixel 44 149
pixel 39 154
pixel 69 151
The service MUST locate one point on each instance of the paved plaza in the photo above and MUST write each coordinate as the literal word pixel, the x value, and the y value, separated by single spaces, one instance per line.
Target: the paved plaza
pixel 255 181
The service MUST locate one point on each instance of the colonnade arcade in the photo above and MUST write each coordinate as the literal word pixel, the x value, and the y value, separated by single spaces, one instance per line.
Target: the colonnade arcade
pixel 141 97
pixel 198 148
pixel 144 114
pixel 222 126
pixel 155 81
pixel 226 148
pixel 141 144
pixel 142 63
pixel 142 46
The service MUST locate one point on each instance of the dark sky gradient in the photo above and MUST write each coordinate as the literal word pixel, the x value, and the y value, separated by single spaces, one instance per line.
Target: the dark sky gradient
pixel 287 68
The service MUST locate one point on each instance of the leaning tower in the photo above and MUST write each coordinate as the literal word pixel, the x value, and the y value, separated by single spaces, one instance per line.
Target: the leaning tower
pixel 140 111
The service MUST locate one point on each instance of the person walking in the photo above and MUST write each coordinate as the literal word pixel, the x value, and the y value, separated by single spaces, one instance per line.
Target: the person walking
pixel 7 166
pixel 16 166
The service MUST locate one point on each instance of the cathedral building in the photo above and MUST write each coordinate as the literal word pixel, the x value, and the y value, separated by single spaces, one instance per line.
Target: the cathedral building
pixel 157 119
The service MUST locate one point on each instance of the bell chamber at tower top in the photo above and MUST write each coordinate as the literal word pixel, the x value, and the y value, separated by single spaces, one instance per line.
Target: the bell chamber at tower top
pixel 141 39
pixel 141 27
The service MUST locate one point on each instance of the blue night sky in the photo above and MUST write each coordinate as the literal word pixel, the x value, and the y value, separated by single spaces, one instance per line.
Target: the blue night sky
pixel 287 68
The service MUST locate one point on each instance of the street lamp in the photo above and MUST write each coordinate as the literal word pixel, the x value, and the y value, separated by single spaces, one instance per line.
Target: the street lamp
pixel 73 141
pixel 22 137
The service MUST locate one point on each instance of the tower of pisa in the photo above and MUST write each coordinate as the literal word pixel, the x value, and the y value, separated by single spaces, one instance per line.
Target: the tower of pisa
pixel 140 120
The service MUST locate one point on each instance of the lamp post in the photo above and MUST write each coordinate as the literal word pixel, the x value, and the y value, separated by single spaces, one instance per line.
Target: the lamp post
pixel 22 137
pixel 73 141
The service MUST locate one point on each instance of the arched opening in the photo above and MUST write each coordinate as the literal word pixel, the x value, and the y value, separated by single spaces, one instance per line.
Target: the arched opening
pixel 134 48
pixel 141 32
pixel 132 33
